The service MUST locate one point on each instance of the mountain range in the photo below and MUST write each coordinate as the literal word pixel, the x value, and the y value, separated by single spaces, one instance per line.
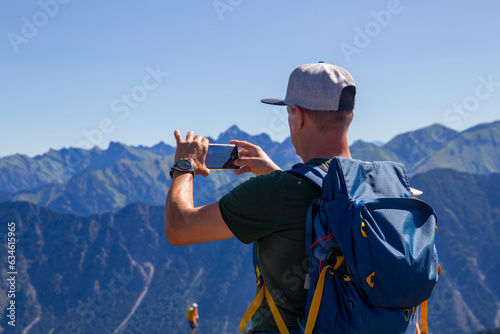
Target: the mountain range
pixel 90 220
pixel 96 181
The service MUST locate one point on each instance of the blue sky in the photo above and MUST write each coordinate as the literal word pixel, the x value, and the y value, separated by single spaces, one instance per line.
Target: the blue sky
pixel 83 73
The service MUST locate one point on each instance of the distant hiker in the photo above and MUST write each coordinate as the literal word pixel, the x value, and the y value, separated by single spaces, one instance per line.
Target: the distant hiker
pixel 192 318
pixel 269 210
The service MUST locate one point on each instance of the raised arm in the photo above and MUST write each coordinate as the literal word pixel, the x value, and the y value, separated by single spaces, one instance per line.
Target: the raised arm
pixel 185 224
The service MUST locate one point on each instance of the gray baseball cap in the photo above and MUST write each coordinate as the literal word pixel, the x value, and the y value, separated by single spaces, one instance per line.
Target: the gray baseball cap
pixel 319 86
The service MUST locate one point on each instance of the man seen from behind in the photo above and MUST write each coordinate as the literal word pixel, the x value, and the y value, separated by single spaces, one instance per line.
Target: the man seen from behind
pixel 269 209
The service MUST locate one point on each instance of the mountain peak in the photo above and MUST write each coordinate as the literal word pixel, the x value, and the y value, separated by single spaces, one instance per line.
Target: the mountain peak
pixel 233 128
pixel 233 132
pixel 114 145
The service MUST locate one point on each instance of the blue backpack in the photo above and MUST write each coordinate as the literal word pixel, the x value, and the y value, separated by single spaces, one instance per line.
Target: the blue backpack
pixel 373 260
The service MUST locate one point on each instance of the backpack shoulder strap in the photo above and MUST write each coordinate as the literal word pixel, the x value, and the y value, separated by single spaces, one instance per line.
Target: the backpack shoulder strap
pixel 314 174
pixel 259 298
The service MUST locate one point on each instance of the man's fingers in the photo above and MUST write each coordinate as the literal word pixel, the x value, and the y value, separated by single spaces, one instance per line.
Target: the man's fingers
pixel 189 136
pixel 246 161
pixel 235 142
pixel 244 153
pixel 242 170
pixel 247 149
pixel 204 172
pixel 243 144
pixel 178 137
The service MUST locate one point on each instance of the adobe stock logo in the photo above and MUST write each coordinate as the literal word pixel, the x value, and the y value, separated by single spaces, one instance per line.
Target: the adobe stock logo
pixel 31 26
pixel 223 6
pixel 471 103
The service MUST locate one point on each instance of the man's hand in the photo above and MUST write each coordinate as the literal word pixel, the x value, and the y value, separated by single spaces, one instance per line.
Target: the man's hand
pixel 192 149
pixel 253 159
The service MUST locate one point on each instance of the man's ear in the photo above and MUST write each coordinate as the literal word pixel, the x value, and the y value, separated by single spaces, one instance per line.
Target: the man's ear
pixel 300 116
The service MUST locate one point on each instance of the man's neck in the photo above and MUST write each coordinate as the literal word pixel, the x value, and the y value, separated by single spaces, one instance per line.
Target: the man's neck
pixel 328 146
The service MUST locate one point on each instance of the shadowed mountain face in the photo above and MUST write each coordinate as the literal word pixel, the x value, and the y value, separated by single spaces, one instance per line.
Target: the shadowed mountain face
pixel 89 275
pixel 468 242
pixel 490 331
pixel 84 270
pixel 89 272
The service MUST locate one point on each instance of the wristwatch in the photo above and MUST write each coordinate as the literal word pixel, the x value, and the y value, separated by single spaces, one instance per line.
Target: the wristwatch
pixel 182 165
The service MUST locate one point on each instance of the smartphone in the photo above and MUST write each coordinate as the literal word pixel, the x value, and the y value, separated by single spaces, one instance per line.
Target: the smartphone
pixel 221 156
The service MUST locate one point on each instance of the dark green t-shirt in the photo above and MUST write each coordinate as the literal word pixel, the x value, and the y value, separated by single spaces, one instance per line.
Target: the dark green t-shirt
pixel 270 210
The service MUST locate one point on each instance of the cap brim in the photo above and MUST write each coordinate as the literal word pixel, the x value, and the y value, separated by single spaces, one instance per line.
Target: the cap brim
pixel 416 192
pixel 275 102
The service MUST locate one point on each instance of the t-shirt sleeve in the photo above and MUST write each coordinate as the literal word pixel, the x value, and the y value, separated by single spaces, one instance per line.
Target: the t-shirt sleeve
pixel 249 210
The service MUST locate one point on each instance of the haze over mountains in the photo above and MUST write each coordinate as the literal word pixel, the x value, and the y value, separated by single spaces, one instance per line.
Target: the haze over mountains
pixel 83 236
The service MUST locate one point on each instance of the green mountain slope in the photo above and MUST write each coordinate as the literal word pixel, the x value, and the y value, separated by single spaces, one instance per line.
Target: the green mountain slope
pixel 96 181
pixel 108 189
pixel 106 180
pixel 408 148
pixel 370 152
pixel 124 182
pixel 20 172
pixel 476 150
pixel 414 146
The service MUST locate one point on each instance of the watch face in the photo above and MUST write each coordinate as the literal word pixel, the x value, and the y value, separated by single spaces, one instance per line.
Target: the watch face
pixel 184 164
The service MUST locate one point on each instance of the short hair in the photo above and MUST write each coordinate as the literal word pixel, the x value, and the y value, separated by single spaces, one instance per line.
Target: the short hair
pixel 336 120
pixel 328 120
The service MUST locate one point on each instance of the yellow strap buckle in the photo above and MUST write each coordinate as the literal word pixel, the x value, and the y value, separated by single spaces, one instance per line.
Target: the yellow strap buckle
pixel 406 312
pixel 362 228
pixel 369 280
